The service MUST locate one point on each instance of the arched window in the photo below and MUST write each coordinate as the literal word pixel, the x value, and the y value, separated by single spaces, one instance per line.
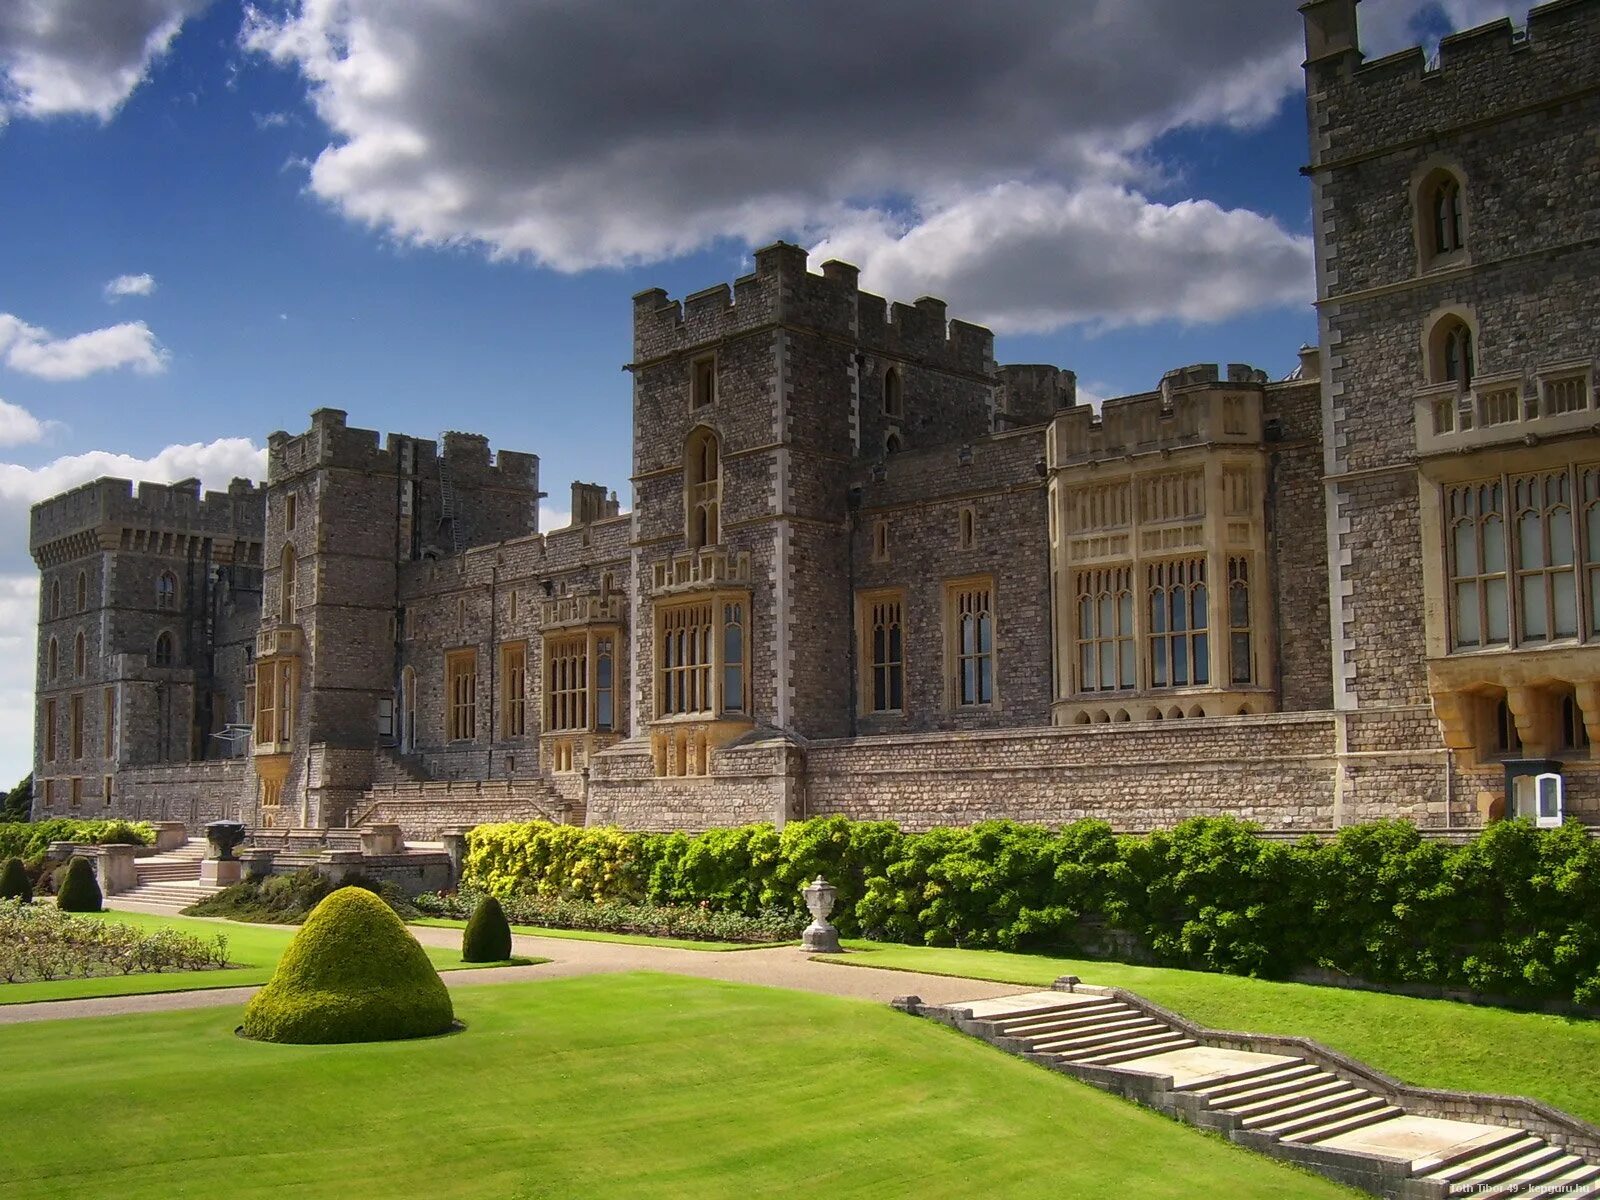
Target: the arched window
pixel 287 582
pixel 733 658
pixel 80 657
pixel 163 654
pixel 52 660
pixel 891 444
pixel 1440 197
pixel 83 591
pixel 167 590
pixel 702 474
pixel 1452 353
pixel 55 598
pixel 894 404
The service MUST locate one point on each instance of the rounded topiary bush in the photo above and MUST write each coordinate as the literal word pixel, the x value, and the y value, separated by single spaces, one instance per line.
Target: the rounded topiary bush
pixel 352 974
pixel 488 934
pixel 80 891
pixel 14 883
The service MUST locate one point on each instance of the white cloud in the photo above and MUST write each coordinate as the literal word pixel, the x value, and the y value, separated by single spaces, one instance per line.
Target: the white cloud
pixel 130 285
pixel 35 351
pixel 553 518
pixel 1023 258
pixel 213 463
pixel 81 56
pixel 19 427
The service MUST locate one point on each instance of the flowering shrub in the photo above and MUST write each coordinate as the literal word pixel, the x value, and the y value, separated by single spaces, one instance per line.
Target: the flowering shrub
pixel 691 922
pixel 1514 913
pixel 40 942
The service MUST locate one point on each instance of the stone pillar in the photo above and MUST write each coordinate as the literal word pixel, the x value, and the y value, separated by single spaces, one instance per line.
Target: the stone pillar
pixel 455 845
pixel 382 839
pixel 170 835
pixel 114 865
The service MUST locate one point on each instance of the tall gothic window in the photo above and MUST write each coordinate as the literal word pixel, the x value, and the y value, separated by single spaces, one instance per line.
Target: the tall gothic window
pixel 703 381
pixel 733 657
pixel 513 683
pixel 1105 630
pixel 703 488
pixel 605 688
pixel 80 656
pixel 288 581
pixel 1453 354
pixel 461 695
pixel 566 670
pixel 1180 653
pixel 52 660
pixel 1241 659
pixel 55 598
pixel 970 608
pixel 883 651
pixel 164 649
pixel 1441 217
pixel 701 655
pixel 167 590
pixel 894 402
pixel 83 591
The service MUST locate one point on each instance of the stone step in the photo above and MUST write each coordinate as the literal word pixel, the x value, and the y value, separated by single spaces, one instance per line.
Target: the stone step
pixel 1005 1022
pixel 1172 1040
pixel 1346 1124
pixel 1099 1019
pixel 1286 1078
pixel 1459 1166
pixel 1210 1085
pixel 1521 1171
pixel 167 871
pixel 1085 1042
pixel 1317 1101
pixel 1362 1104
pixel 1312 1087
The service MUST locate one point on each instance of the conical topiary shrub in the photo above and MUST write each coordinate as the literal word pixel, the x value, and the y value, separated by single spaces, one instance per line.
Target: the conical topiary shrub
pixel 14 883
pixel 352 974
pixel 488 934
pixel 80 891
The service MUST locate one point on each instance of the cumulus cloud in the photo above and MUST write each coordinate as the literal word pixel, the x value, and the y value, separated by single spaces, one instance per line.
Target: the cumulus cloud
pixel 35 351
pixel 1026 258
pixel 19 427
pixel 81 56
pixel 130 285
pixel 213 463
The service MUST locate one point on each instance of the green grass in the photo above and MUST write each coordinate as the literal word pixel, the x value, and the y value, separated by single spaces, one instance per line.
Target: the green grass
pixel 1434 1043
pixel 256 948
pixel 600 935
pixel 638 1086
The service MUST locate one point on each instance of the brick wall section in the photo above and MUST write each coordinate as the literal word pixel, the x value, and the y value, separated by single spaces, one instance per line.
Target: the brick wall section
pixel 193 793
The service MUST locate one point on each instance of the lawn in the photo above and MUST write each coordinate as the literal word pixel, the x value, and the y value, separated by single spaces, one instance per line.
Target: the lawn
pixel 599 935
pixel 255 947
pixel 1436 1043
pixel 635 1085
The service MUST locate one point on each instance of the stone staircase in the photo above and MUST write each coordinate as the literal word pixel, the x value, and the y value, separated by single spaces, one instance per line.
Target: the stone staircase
pixel 170 880
pixel 1293 1099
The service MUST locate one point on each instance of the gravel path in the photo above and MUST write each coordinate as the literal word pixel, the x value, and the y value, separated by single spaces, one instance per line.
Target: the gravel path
pixel 783 966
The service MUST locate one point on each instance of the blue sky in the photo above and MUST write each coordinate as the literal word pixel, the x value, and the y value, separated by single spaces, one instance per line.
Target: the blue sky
pixel 433 214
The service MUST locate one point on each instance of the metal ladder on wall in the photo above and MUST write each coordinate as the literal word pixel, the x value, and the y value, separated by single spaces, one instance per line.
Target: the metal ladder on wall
pixel 447 505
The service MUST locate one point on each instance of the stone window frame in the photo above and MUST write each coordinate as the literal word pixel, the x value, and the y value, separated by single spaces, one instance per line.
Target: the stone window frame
pixel 691 665
pixel 55 599
pixel 566 681
pixel 288 584
pixel 891 667
pixel 971 595
pixel 291 511
pixel 894 395
pixel 1188 573
pixel 75 724
pixel 702 488
pixel 967 527
pixel 51 743
pixel 52 659
pixel 75 792
pixel 108 713
pixel 1582 505
pixel 461 694
pixel 167 591
pixel 106 786
pixel 83 591
pixel 80 655
pixel 893 443
pixel 1436 331
pixel 164 651
pixel 880 540
pixel 702 381
pixel 514 689
pixel 1122 642
pixel 1426 180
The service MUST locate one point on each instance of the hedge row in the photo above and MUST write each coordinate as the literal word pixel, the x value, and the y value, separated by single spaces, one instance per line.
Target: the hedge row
pixel 1514 913
pixel 30 839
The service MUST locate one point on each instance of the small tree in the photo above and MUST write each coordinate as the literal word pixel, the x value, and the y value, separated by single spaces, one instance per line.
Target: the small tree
pixel 18 802
pixel 14 883
pixel 80 891
pixel 488 934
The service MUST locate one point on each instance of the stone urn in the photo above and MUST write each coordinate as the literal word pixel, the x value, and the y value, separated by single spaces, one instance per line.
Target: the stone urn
pixel 820 936
pixel 221 868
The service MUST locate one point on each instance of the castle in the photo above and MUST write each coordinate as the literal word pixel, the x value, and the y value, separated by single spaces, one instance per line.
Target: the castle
pixel 869 571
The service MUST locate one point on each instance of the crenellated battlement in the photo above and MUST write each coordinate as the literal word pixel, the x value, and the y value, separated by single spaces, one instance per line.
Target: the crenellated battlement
pixel 783 290
pixel 331 442
pixel 1194 406
pixel 1493 68
pixel 180 507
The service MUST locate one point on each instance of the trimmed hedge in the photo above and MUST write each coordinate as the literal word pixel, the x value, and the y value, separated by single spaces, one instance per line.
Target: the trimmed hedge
pixel 353 973
pixel 30 839
pixel 1513 913
pixel 14 882
pixel 80 890
pixel 487 937
pixel 689 922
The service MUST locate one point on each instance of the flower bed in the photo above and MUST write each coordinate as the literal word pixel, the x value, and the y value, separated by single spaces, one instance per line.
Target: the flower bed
pixel 39 942
pixel 696 923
